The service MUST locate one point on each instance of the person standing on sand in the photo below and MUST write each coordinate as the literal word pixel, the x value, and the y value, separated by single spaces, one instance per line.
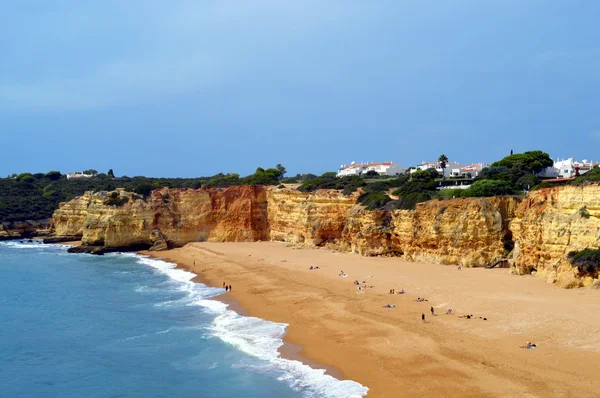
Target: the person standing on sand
pixel 432 311
pixel 229 287
pixel 224 285
pixel 423 317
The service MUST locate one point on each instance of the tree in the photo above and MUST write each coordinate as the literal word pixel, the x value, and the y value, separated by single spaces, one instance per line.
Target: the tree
pixel 443 159
pixel 143 189
pixel 528 181
pixel 110 173
pixel 371 173
pixel 531 162
pixel 53 175
pixel 281 169
pixel 90 171
pixel 490 188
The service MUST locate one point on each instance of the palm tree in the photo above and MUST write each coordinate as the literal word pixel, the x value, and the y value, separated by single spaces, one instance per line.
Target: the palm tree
pixel 443 159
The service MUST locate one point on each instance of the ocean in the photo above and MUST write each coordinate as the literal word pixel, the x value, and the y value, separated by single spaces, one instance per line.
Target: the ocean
pixel 122 325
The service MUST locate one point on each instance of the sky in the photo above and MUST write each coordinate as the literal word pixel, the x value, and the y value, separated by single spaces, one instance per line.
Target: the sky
pixel 190 88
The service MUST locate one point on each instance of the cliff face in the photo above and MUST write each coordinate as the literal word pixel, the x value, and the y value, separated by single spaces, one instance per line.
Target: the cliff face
pixel 309 219
pixel 470 232
pixel 549 224
pixel 543 227
pixel 24 229
pixel 168 217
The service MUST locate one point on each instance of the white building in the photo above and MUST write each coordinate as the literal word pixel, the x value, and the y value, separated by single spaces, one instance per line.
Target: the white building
pixel 450 167
pixel 470 171
pixel 79 175
pixel 383 168
pixel 567 168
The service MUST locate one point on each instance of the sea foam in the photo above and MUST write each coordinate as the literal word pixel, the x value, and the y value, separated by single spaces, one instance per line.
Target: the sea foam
pixel 256 337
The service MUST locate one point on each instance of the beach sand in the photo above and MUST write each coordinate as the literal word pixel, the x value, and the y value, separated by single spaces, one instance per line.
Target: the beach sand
pixel 392 351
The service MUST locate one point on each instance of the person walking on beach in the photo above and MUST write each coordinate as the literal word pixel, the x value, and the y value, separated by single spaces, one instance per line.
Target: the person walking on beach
pixel 423 317
pixel 229 287
pixel 432 311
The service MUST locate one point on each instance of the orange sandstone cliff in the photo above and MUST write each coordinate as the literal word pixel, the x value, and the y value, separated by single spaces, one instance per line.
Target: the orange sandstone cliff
pixel 543 227
pixel 548 225
pixel 167 218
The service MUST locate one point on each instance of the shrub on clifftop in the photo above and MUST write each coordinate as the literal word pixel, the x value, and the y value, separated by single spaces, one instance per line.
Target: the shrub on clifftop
pixel 587 261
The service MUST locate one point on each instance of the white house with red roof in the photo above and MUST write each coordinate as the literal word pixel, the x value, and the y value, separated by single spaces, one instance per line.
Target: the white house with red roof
pixel 567 168
pixel 382 168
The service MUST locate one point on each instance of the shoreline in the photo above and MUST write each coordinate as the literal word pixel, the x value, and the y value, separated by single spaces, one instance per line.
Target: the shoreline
pixel 288 350
pixel 391 351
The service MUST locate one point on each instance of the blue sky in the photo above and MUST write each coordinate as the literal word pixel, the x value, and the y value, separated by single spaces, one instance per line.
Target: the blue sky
pixel 192 88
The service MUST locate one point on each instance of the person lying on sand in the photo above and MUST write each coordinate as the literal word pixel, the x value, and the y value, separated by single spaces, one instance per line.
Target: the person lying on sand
pixel 389 306
pixel 419 299
pixel 401 292
pixel 528 346
pixel 449 312
pixel 466 316
pixel 392 291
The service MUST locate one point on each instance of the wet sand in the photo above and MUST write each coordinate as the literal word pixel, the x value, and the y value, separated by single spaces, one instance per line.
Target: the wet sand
pixel 392 351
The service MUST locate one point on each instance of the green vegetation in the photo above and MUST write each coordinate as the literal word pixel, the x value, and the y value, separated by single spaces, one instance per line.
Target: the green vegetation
pixel 261 176
pixel 590 177
pixel 587 261
pixel 442 160
pixel 329 180
pixel 531 162
pixel 489 188
pixel 374 195
pixel 35 196
pixel 114 199
pixel 584 212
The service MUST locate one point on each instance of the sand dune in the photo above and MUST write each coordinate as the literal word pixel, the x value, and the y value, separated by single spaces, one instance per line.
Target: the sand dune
pixel 392 351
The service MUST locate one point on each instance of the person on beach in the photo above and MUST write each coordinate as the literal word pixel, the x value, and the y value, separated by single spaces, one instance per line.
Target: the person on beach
pixel 459 268
pixel 423 317
pixel 449 312
pixel 226 288
pixel 223 285
pixel 229 287
pixel 432 311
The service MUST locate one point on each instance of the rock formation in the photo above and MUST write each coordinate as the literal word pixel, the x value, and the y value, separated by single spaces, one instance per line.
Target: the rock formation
pixel 542 227
pixel 167 218
pixel 549 224
pixel 24 229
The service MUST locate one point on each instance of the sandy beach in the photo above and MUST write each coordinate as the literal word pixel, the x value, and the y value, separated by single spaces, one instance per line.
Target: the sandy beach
pixel 391 350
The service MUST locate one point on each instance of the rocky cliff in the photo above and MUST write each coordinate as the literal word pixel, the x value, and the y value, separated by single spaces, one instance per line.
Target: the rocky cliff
pixel 24 229
pixel 549 224
pixel 468 232
pixel 543 227
pixel 167 218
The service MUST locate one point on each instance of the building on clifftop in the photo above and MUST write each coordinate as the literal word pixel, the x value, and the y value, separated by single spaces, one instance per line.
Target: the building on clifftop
pixel 383 168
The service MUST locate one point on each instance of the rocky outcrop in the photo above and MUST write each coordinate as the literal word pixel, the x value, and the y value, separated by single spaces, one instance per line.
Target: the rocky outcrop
pixel 467 232
pixel 549 224
pixel 167 218
pixel 24 229
pixel 542 228
pixel 308 219
pixel 470 232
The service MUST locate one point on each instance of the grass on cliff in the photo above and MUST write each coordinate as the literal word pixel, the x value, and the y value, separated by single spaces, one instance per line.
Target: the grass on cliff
pixel 587 261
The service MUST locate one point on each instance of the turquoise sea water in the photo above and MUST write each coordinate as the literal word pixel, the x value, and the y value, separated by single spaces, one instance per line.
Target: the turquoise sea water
pixel 121 325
